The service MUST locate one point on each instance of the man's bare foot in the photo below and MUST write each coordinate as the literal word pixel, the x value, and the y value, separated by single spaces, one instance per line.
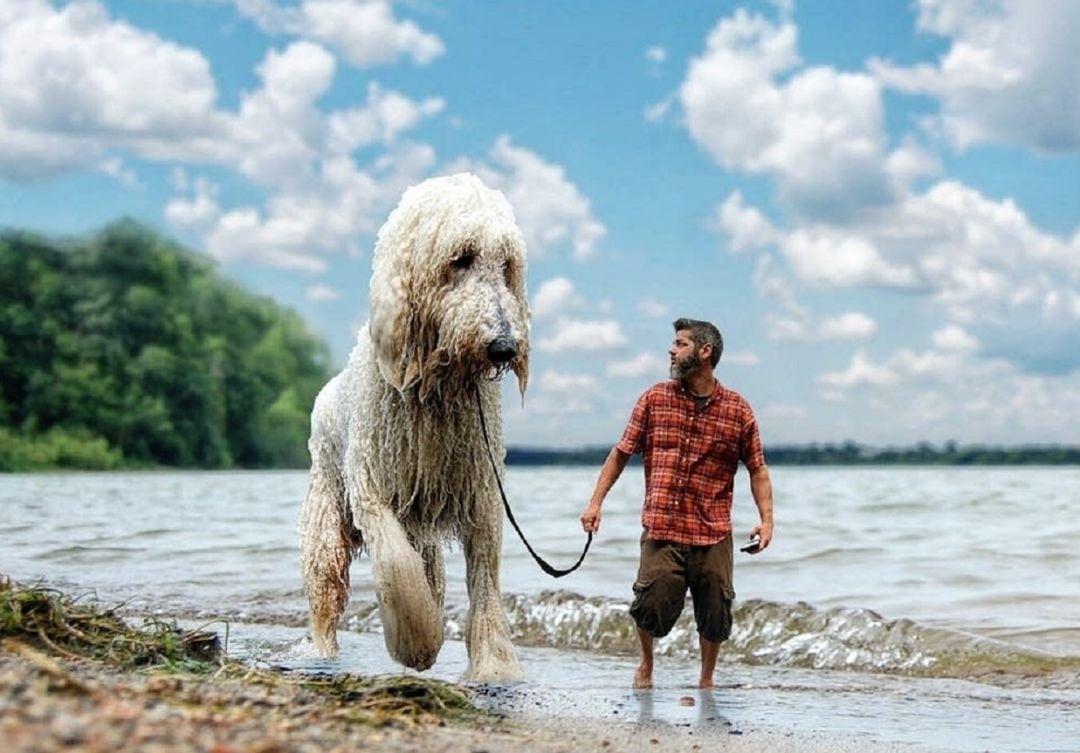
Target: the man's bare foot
pixel 643 678
pixel 705 684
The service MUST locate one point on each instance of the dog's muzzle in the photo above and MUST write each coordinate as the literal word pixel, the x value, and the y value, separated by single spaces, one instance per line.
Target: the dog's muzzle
pixel 501 350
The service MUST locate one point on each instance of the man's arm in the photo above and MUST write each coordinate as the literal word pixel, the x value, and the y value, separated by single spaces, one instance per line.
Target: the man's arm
pixel 609 474
pixel 761 488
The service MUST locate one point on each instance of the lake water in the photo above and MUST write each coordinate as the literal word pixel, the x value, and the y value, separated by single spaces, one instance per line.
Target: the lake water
pixel 933 607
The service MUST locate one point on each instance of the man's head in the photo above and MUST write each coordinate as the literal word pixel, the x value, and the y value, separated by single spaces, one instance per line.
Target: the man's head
pixel 696 342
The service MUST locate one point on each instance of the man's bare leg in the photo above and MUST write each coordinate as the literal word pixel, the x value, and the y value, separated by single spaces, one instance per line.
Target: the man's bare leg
pixel 709 652
pixel 643 675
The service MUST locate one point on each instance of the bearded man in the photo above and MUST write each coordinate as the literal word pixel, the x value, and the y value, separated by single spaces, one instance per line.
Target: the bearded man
pixel 692 432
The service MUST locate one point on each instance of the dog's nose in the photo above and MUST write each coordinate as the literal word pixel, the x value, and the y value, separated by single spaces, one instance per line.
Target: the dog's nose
pixel 501 350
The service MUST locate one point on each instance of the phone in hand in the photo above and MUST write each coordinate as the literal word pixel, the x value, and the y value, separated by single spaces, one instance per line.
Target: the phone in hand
pixel 752 546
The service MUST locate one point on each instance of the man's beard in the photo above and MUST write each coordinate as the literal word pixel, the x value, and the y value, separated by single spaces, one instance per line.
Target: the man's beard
pixel 682 369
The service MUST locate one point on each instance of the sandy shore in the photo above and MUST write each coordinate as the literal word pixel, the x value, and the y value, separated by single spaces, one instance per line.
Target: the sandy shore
pixel 57 704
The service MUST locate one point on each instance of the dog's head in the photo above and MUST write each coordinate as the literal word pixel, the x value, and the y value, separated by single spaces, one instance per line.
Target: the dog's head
pixel 448 288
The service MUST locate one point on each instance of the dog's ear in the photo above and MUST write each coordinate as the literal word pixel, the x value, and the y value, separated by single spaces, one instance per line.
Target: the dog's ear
pixel 392 319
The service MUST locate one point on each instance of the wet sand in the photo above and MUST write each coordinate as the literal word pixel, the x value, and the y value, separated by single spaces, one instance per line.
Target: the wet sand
pixel 54 704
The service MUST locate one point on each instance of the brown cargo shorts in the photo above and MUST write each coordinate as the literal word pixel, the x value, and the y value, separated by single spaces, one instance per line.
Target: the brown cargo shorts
pixel 665 573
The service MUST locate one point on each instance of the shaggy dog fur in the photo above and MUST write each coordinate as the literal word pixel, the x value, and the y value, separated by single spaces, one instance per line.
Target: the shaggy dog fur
pixel 398 463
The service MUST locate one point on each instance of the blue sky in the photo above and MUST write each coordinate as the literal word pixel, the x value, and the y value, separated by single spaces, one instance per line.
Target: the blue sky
pixel 877 203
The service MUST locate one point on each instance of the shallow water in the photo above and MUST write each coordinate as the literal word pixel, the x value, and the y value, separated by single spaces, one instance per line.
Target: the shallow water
pixel 930 606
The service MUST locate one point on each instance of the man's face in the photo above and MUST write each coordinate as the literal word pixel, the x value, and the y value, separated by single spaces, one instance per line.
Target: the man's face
pixel 685 357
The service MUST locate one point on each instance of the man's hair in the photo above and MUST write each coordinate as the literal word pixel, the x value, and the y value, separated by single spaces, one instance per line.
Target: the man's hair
pixel 701 333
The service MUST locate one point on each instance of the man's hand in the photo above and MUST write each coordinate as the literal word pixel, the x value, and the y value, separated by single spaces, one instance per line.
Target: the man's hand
pixel 764 531
pixel 590 519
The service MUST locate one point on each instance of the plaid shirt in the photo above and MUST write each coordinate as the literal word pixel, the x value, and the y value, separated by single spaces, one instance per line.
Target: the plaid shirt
pixel 691 457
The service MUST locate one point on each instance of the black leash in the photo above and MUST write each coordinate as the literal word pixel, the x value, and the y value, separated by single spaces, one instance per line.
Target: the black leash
pixel 554 572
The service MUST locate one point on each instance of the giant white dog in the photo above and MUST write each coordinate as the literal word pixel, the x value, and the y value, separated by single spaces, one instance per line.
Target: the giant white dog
pixel 398 463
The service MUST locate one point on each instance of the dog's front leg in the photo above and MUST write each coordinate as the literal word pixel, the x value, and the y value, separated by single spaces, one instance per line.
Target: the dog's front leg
pixel 412 621
pixel 487 633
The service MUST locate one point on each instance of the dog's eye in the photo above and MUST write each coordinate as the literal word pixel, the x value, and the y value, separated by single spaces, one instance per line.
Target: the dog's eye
pixel 464 261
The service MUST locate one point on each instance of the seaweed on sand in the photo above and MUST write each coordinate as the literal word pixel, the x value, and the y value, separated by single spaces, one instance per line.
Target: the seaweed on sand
pixel 36 619
pixel 49 620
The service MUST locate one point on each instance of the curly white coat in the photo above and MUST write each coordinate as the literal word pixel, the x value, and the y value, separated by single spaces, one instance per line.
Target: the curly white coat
pixel 398 463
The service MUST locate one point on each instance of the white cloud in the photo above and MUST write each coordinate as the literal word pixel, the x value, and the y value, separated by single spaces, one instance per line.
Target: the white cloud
pixel 640 366
pixel 322 293
pixel 656 54
pixel 76 87
pixel 199 211
pixel 385 115
pixel 549 208
pixel 784 411
pixel 850 326
pixel 950 393
pixel 980 260
pixel 954 338
pixel 656 112
pixel 554 381
pixel 653 308
pixel 554 296
pixel 826 256
pixel 74 82
pixel 861 371
pixel 741 358
pixel 1008 76
pixel 364 32
pixel 746 227
pixel 817 131
pixel 583 334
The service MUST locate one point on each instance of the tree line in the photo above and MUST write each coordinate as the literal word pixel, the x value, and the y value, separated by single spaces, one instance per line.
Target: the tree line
pixel 845 453
pixel 125 349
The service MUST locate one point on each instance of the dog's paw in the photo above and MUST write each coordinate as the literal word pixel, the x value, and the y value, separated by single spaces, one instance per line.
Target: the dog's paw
pixel 497 663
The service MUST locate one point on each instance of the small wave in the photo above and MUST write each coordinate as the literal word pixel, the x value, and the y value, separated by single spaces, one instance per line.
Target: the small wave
pixel 87 555
pixel 764 633
pixel 770 633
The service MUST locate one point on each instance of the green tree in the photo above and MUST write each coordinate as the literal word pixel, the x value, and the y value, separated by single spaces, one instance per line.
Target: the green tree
pixel 126 341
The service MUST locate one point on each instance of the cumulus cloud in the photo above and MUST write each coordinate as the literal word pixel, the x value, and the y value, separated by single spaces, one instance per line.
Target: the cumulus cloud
pixel 853 325
pixel 550 209
pixel 198 211
pixel 364 32
pixel 817 131
pixel 322 293
pixel 553 297
pixel 741 358
pixel 640 366
pixel 74 83
pixel 861 371
pixel 980 261
pixel 78 88
pixel 822 255
pixel 555 381
pixel 583 334
pixel 953 338
pixel 385 116
pixel 653 308
pixel 1008 75
pixel 788 319
pixel 745 227
pixel 949 392
pixel 656 54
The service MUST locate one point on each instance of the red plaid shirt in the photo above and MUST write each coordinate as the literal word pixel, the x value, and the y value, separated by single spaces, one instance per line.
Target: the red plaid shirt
pixel 691 457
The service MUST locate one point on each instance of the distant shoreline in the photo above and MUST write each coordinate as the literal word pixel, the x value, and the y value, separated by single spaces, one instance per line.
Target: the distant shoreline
pixel 847 453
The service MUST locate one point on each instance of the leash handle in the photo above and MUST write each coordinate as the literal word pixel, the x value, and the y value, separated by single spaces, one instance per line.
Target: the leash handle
pixel 554 572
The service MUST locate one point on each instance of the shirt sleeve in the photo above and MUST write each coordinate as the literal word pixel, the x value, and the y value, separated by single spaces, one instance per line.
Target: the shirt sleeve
pixel 633 438
pixel 750 452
